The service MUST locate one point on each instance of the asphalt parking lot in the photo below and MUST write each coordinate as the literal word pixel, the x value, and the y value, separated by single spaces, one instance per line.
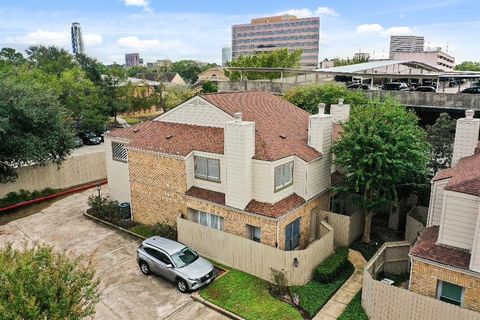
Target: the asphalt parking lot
pixel 125 292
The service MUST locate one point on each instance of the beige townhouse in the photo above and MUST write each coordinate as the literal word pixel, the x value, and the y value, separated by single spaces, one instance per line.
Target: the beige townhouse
pixel 446 257
pixel 246 163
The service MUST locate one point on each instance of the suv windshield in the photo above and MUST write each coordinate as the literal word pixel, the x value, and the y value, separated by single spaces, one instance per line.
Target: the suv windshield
pixel 184 257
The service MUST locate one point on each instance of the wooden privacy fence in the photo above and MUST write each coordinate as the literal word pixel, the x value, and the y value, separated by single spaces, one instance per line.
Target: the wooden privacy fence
pixel 76 170
pixel 385 302
pixel 253 257
pixel 347 228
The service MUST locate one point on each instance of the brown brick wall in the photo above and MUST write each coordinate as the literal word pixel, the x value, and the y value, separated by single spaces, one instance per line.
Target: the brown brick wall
pixel 425 277
pixel 321 203
pixel 157 185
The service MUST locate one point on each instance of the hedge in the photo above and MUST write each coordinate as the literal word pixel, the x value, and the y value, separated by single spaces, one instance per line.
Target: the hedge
pixel 331 267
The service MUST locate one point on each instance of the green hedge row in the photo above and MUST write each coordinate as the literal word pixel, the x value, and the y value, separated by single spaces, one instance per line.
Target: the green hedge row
pixel 331 267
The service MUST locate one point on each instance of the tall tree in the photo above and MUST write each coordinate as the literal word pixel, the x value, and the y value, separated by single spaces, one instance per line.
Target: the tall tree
pixel 279 58
pixel 39 283
pixel 441 136
pixel 82 99
pixel 51 60
pixel 34 128
pixel 382 147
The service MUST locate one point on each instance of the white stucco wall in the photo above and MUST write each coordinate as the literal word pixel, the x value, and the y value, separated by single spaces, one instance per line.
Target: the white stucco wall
pixel 117 174
pixel 196 111
pixel 459 219
pixel 436 203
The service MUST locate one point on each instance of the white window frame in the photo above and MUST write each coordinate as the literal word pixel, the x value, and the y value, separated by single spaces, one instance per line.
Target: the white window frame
pixel 207 176
pixel 280 180
pixel 120 149
pixel 440 288
pixel 206 219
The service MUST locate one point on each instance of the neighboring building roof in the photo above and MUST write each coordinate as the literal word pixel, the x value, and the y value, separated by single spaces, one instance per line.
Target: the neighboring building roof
pixel 464 176
pixel 281 127
pixel 427 248
pixel 172 138
pixel 274 210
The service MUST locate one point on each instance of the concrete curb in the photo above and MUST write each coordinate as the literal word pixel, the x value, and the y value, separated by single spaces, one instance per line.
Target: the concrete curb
pixel 113 225
pixel 196 296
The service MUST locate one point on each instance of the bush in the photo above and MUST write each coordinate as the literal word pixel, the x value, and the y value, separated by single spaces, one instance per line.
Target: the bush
pixel 39 283
pixel 103 207
pixel 159 229
pixel 331 267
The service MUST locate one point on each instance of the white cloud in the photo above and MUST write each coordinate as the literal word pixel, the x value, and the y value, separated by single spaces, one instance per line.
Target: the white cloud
pixel 326 11
pixel 370 28
pixel 53 38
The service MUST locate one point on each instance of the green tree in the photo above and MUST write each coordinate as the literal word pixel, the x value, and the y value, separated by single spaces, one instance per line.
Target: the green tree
pixel 34 128
pixel 51 60
pixel 468 66
pixel 309 96
pixel 382 147
pixel 39 283
pixel 279 58
pixel 82 99
pixel 441 136
pixel 209 86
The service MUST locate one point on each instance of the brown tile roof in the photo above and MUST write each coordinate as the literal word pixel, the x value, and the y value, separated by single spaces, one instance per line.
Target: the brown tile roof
pixel 172 138
pixel 265 209
pixel 465 176
pixel 277 209
pixel 208 195
pixel 426 248
pixel 274 117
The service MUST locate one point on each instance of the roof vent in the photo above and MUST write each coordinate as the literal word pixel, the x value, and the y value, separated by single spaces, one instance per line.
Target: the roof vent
pixel 238 116
pixel 169 137
pixel 469 114
pixel 283 136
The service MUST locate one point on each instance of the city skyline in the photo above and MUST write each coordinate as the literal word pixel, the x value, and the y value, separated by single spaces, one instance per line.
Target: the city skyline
pixel 167 30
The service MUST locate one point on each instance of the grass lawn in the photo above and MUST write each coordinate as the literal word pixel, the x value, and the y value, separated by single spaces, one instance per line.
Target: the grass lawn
pixel 354 310
pixel 248 297
pixel 314 295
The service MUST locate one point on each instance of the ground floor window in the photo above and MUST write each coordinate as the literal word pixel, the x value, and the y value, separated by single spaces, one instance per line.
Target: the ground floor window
pixel 206 219
pixel 449 292
pixel 253 233
pixel 292 235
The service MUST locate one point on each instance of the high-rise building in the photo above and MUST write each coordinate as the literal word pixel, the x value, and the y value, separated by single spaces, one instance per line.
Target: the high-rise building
pixel 406 44
pixel 132 59
pixel 269 33
pixel 226 55
pixel 77 39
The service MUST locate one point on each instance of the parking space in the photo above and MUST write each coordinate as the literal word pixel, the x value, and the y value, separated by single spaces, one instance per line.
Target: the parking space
pixel 126 292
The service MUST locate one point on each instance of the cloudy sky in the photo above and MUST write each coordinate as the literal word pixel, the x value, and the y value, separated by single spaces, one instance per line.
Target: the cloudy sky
pixel 193 29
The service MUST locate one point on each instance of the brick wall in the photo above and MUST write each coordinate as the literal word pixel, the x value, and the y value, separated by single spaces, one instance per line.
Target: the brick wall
pixel 425 277
pixel 157 185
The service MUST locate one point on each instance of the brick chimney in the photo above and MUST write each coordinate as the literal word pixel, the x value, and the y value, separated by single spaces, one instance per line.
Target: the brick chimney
pixel 466 136
pixel 320 132
pixel 239 149
pixel 340 112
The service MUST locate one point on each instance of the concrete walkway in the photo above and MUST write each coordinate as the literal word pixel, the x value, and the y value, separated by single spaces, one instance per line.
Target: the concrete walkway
pixel 337 304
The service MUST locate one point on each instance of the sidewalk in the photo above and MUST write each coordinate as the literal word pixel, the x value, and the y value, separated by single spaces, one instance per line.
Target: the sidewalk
pixel 337 304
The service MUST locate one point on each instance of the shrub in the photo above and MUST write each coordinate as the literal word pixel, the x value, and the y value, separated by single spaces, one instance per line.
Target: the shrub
pixel 39 283
pixel 279 286
pixel 103 207
pixel 331 267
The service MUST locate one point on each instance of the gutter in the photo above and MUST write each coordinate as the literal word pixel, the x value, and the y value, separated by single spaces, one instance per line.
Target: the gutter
pixel 55 195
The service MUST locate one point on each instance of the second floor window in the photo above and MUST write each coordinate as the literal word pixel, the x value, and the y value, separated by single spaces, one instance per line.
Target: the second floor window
pixel 283 176
pixel 207 168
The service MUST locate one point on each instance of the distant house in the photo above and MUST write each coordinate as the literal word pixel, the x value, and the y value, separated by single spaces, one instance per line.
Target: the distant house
pixel 446 257
pixel 213 74
pixel 172 78
pixel 249 164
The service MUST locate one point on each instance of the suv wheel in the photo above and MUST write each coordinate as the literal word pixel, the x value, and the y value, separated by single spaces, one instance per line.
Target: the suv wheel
pixel 182 285
pixel 144 268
